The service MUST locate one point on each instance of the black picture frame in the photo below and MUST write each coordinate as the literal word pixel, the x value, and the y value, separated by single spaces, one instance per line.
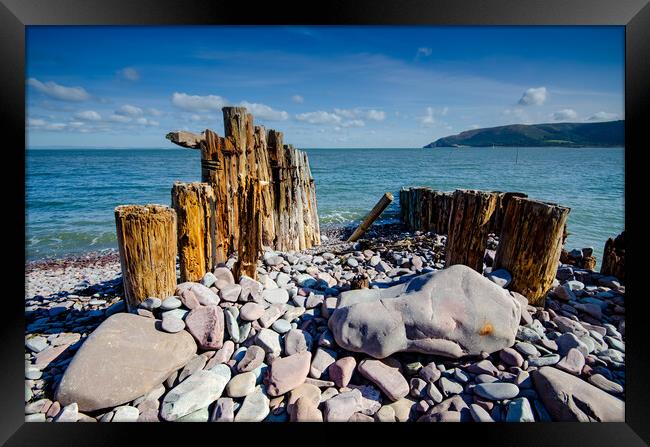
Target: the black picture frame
pixel 633 14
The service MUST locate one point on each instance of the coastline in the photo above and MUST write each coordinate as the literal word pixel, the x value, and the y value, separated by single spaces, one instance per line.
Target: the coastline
pixel 71 297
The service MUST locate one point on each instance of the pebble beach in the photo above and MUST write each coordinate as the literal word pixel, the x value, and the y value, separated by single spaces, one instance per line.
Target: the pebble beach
pixel 278 349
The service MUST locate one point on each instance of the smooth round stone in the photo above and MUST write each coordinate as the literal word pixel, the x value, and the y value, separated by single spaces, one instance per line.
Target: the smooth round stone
pixel 170 303
pixel 151 303
pixel 519 410
pixel 275 296
pixel 253 358
pixel 254 408
pixel 251 311
pixel 281 326
pixel 126 413
pixel 526 348
pixel 33 373
pixel 544 361
pixel 172 324
pixel 178 313
pixel 231 323
pixel 486 378
pixel 241 385
pixel 496 391
pixel 208 279
pixel 352 262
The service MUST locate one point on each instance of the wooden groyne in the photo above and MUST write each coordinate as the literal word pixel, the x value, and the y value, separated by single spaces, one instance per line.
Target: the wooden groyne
pixel 531 233
pixel 255 193
pixel 287 193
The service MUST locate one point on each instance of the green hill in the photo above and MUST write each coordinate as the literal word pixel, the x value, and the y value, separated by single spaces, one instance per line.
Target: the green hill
pixel 605 134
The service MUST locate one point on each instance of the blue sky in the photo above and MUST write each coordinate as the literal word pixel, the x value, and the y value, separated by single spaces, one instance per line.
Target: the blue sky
pixel 322 86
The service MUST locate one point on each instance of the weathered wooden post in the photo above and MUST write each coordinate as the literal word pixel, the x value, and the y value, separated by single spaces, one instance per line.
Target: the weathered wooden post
pixel 250 240
pixel 614 257
pixel 425 209
pixel 529 246
pixel 468 227
pixel 194 204
pixel 374 213
pixel 503 199
pixel 146 239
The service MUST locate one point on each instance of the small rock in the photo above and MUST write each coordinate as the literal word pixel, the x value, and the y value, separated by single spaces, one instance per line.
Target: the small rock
pixel 241 385
pixel 170 303
pixel 496 391
pixel 126 413
pixel 519 410
pixel 386 377
pixel 172 324
pixel 254 408
pixel 340 372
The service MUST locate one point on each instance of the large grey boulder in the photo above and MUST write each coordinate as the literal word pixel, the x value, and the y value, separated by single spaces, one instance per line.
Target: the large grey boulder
pixel 452 312
pixel 123 359
pixel 569 399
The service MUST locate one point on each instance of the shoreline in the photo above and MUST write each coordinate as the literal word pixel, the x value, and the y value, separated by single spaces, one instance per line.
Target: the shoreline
pixel 579 333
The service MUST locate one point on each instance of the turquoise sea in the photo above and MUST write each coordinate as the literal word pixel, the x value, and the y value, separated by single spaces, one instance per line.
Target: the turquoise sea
pixel 71 193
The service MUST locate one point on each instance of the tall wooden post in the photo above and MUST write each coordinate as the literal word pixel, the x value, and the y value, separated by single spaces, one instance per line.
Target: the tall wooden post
pixel 614 257
pixel 146 239
pixel 374 213
pixel 194 204
pixel 468 227
pixel 529 246
pixel 250 241
pixel 503 199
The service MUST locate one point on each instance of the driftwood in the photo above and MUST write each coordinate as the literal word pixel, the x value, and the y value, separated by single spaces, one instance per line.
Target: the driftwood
pixel 425 209
pixel 614 257
pixel 468 227
pixel 146 239
pixel 194 204
pixel 529 246
pixel 374 213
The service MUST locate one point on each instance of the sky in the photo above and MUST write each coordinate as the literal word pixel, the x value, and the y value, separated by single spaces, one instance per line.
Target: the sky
pixel 323 86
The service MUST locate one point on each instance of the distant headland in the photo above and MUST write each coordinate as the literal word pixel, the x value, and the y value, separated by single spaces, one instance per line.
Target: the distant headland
pixel 604 134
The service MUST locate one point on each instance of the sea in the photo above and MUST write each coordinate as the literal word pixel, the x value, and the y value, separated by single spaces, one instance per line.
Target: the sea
pixel 71 193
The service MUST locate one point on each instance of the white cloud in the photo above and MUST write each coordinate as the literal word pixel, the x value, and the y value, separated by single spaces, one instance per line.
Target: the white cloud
pixel 298 99
pixel 424 51
pixel 444 111
pixel 265 112
pixel 129 110
pixel 32 122
pixel 88 115
pixel 155 112
pixel 147 122
pixel 319 117
pixel 533 96
pixel 198 103
pixel 353 123
pixel 372 114
pixel 564 115
pixel 427 119
pixel 376 115
pixel 603 116
pixel 129 73
pixel 76 124
pixel 55 126
pixel 119 118
pixel 57 91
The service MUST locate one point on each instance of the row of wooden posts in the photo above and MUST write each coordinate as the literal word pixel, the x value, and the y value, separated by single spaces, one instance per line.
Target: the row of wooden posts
pixel 531 234
pixel 255 192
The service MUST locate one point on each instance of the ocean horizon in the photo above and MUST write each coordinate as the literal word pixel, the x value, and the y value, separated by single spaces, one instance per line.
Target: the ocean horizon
pixel 71 192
